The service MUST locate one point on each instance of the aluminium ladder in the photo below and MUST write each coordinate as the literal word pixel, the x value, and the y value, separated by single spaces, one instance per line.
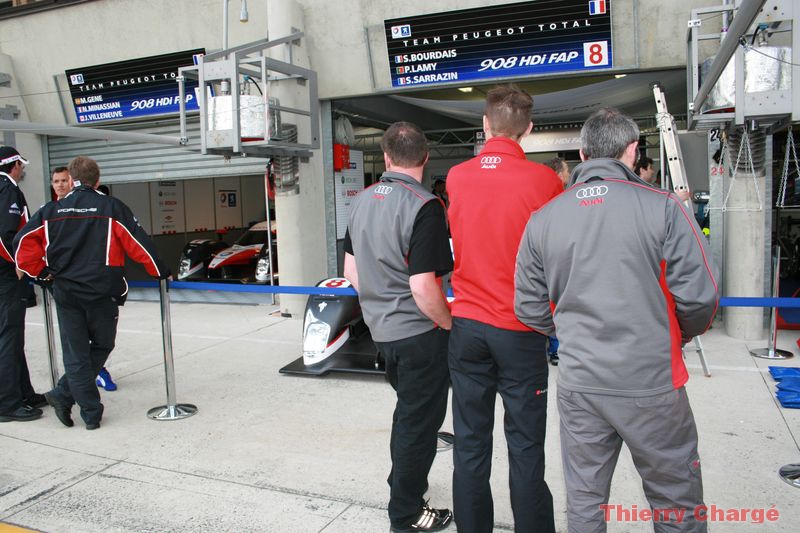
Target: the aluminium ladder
pixel 677 172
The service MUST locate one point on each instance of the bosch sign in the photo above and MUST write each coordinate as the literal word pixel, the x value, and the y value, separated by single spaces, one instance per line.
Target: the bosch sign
pixel 522 39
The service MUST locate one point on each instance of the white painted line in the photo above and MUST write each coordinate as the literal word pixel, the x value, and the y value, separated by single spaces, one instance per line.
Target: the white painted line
pixel 193 336
pixel 730 368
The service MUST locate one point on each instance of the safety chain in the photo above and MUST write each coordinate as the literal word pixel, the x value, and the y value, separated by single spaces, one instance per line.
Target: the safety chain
pixel 785 175
pixel 744 149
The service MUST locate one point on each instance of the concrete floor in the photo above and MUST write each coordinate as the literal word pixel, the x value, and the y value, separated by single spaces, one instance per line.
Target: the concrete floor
pixel 274 453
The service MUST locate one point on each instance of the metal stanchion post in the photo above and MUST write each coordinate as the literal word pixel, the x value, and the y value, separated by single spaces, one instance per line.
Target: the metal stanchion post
pixel 171 411
pixel 699 349
pixel 47 307
pixel 770 352
pixel 791 474
pixel 444 441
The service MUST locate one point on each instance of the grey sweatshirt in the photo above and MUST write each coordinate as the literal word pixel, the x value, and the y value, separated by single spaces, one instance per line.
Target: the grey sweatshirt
pixel 620 272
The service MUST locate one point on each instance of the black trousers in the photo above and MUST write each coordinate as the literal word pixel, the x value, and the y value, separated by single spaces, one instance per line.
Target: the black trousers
pixel 416 367
pixel 485 360
pixel 88 328
pixel 15 381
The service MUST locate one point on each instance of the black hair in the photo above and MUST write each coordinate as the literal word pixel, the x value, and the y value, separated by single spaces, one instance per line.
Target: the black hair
pixel 642 163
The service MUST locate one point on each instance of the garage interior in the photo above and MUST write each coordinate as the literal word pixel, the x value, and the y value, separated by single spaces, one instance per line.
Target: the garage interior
pixel 451 116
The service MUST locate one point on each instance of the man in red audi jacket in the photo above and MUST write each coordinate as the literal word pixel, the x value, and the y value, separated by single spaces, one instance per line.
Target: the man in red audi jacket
pixel 81 242
pixel 491 198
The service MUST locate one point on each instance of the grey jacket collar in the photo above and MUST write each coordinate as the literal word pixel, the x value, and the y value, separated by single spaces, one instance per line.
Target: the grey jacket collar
pixel 603 168
pixel 399 176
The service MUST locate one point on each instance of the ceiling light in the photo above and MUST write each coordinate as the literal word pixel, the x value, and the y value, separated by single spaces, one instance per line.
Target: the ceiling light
pixel 243 16
pixel 465 89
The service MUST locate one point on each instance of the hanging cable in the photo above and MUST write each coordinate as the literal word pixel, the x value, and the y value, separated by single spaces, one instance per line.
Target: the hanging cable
pixel 755 49
pixel 249 79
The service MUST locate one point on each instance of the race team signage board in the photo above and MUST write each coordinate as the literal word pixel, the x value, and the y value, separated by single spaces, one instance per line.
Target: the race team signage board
pixel 228 207
pixel 129 89
pixel 167 207
pixel 510 40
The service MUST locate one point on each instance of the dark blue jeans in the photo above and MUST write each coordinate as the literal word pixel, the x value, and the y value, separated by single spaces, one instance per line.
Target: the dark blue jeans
pixel 416 367
pixel 88 328
pixel 15 381
pixel 485 360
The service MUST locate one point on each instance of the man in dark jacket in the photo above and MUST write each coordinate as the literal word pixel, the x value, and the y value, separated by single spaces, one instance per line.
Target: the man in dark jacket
pixel 18 401
pixel 620 270
pixel 82 241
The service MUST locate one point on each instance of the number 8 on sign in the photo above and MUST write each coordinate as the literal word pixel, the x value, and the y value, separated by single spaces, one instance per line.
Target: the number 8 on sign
pixel 595 54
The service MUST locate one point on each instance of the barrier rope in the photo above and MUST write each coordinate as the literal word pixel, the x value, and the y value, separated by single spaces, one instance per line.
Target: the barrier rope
pixel 236 287
pixel 726 301
pixel 741 301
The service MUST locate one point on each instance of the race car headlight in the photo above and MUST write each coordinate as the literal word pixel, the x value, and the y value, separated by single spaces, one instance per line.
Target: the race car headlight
pixel 262 269
pixel 316 339
pixel 183 268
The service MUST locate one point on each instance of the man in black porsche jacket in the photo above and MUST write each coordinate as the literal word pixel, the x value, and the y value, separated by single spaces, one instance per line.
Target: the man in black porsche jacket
pixel 18 401
pixel 81 242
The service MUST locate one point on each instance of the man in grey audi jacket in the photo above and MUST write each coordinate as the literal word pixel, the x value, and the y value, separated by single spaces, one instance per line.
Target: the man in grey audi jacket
pixel 620 271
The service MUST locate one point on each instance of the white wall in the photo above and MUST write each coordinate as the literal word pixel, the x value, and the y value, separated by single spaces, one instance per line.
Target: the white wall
pixel 28 145
pixel 200 202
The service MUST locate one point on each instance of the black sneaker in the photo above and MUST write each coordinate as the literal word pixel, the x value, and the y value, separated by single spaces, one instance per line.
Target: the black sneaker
pixel 429 519
pixel 36 400
pixel 63 413
pixel 553 359
pixel 24 413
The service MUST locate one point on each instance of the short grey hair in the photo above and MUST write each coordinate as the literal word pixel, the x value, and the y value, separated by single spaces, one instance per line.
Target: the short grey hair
pixel 607 133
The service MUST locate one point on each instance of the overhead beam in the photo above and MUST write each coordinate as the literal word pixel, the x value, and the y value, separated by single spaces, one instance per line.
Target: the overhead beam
pixel 87 133
pixel 380 111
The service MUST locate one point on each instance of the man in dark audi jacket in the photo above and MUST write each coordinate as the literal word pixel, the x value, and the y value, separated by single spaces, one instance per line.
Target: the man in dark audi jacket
pixel 81 242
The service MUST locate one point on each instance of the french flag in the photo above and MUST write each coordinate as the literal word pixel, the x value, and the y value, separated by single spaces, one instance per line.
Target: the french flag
pixel 597 7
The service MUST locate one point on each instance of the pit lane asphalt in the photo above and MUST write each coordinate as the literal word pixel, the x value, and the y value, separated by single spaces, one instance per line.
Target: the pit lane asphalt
pixel 274 453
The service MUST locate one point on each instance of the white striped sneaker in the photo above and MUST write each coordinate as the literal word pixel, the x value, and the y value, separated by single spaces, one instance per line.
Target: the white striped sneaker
pixel 429 519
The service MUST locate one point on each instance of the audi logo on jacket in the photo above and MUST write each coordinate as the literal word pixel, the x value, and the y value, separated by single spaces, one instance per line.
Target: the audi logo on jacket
pixel 82 240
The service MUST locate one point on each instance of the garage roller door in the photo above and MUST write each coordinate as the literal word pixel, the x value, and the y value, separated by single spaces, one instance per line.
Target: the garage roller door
pixel 124 161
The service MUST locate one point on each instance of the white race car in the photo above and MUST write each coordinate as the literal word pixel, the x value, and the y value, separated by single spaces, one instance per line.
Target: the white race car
pixel 246 261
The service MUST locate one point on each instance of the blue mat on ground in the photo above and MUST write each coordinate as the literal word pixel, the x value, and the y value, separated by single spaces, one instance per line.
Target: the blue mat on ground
pixel 788 378
pixel 789 385
pixel 789 399
pixel 779 373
